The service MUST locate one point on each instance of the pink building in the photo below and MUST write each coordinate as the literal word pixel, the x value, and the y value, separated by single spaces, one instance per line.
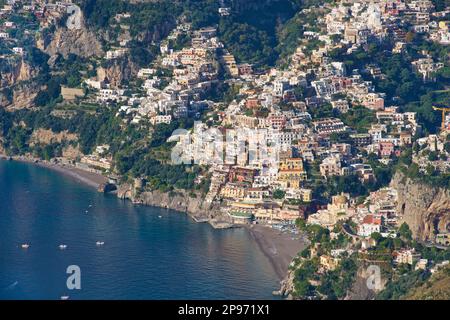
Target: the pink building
pixel 386 149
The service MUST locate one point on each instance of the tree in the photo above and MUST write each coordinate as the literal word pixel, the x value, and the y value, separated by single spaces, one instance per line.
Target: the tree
pixel 279 194
pixel 447 145
pixel 433 156
pixel 300 224
pixel 405 232
pixel 303 288
pixel 376 236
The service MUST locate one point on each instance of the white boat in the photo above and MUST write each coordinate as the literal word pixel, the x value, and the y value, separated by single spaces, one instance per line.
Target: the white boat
pixel 25 246
pixel 64 297
pixel 160 217
pixel 100 243
pixel 62 246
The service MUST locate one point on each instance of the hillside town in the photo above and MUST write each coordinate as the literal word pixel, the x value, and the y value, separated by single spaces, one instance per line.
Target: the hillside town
pixel 313 140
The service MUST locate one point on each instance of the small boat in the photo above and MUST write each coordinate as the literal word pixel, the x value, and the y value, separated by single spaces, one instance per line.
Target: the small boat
pixel 86 211
pixel 90 206
pixel 25 246
pixel 64 297
pixel 99 243
pixel 160 217
pixel 62 246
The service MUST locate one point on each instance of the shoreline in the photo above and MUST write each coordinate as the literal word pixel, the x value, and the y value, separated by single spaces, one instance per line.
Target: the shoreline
pixel 90 179
pixel 278 247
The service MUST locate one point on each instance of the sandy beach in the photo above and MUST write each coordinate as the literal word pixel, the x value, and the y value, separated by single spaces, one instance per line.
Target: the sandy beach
pixel 90 179
pixel 279 247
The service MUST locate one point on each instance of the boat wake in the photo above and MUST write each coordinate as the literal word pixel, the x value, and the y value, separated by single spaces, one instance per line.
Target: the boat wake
pixel 12 286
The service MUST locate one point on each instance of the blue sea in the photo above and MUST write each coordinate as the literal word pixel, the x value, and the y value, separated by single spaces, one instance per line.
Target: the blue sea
pixel 148 253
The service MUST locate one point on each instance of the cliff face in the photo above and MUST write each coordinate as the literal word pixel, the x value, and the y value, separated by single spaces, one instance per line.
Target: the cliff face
pixel 287 286
pixel 180 201
pixel 80 42
pixel 16 91
pixel 23 96
pixel 426 209
pixel 64 41
pixel 358 291
pixel 13 71
pixel 19 96
pixel 156 33
pixel 117 71
pixel 45 136
pixel 436 288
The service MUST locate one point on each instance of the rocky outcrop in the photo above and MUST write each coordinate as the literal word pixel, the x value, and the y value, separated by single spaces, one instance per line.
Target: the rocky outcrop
pixel 79 41
pixel 24 97
pixel 117 71
pixel 181 201
pixel 72 153
pixel 287 286
pixel 435 288
pixel 13 71
pixel 360 289
pixel 107 188
pixel 19 96
pixel 425 208
pixel 156 33
pixel 46 136
pixel 16 89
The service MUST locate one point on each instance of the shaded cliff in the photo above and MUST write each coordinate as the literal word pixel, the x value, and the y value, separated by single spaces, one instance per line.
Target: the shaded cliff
pixel 425 208
pixel 15 70
pixel 19 96
pixel 117 71
pixel 179 201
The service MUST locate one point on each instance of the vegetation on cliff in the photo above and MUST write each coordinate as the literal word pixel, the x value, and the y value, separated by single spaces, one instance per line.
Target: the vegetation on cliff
pixel 437 287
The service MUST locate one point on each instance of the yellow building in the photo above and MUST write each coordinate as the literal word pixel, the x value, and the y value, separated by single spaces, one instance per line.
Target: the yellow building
pixel 233 191
pixel 306 195
pixel 291 172
pixel 264 214
pixel 444 25
pixel 230 65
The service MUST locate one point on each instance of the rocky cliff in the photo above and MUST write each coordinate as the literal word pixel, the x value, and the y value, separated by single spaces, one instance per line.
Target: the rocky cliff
pixel 156 33
pixel 64 41
pixel 117 71
pixel 80 41
pixel 358 291
pixel 179 201
pixel 19 96
pixel 425 208
pixel 436 288
pixel 15 70
pixel 287 286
